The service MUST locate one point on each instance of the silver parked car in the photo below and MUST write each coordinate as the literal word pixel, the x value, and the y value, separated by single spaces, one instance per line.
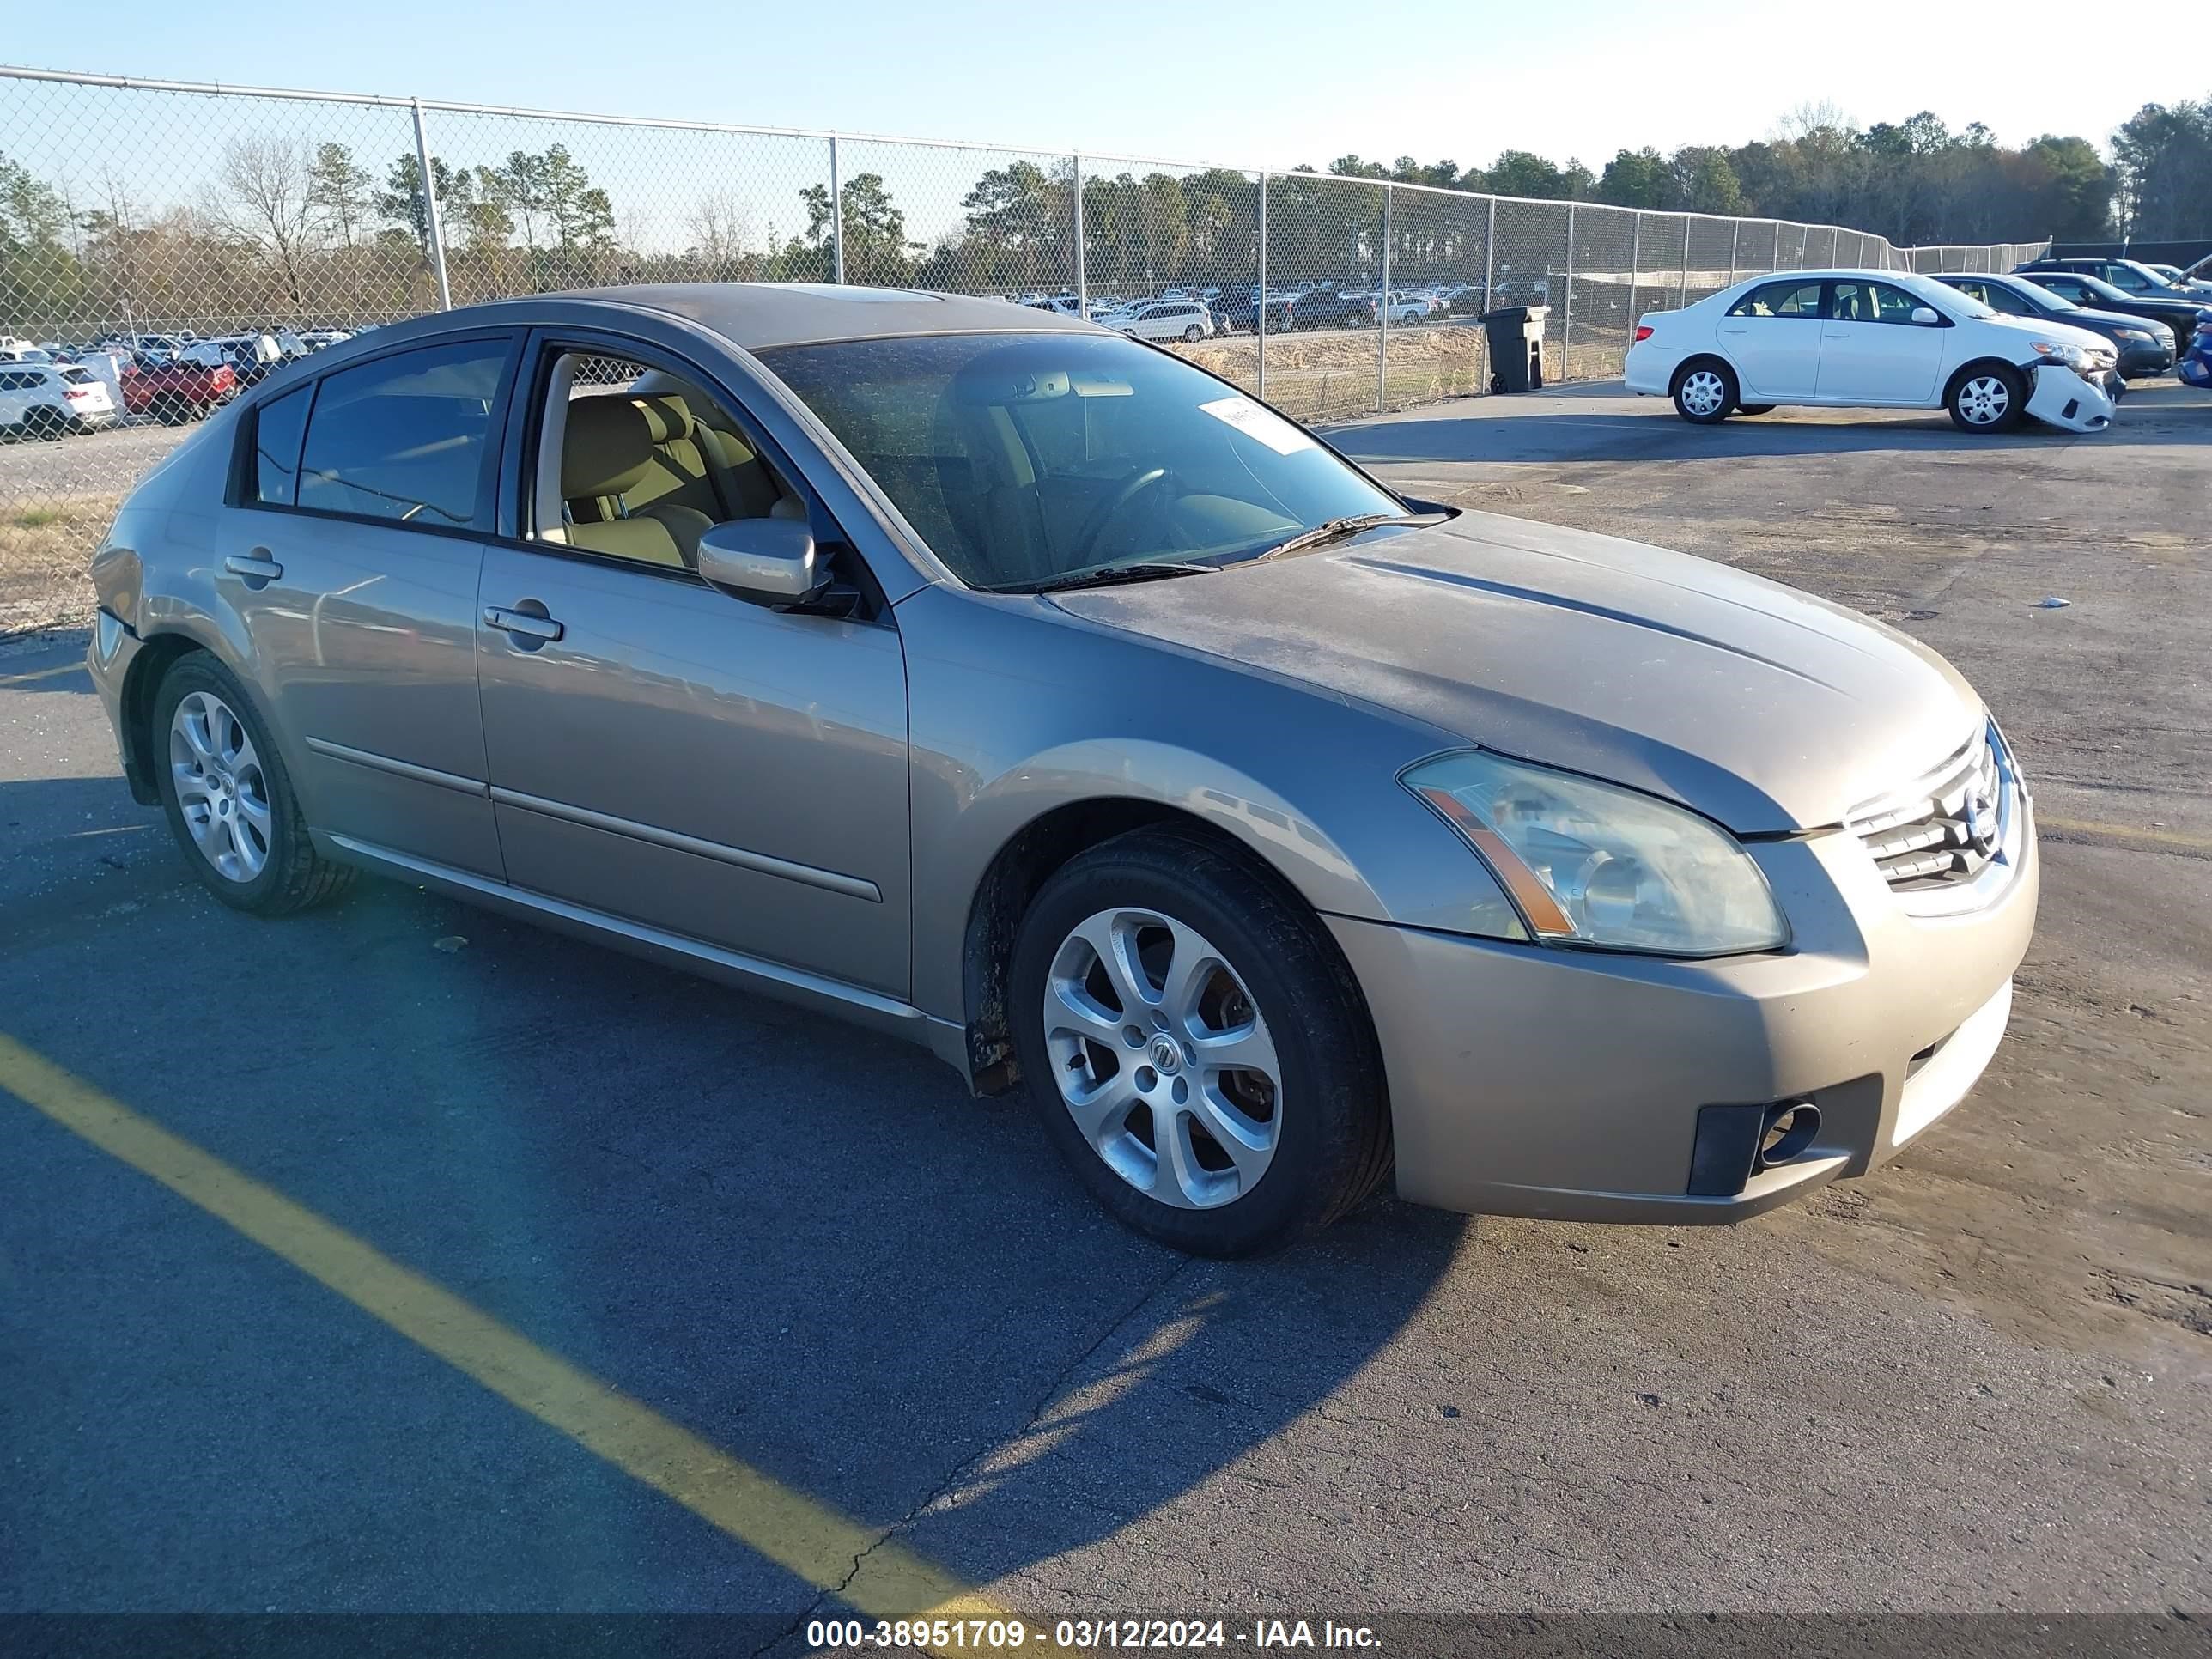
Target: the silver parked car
pixel 995 680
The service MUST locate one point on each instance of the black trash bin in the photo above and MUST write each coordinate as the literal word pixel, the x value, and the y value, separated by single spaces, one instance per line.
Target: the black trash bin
pixel 1516 347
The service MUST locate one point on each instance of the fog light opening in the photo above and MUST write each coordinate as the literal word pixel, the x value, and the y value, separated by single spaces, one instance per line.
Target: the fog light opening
pixel 1788 1132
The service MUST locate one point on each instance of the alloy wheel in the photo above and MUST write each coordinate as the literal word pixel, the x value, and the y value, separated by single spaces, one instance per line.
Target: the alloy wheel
pixel 1984 399
pixel 1162 1058
pixel 222 790
pixel 1702 392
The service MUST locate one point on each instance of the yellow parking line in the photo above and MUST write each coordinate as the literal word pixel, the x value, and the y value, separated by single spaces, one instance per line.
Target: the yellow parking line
pixel 805 1538
pixel 44 674
pixel 2125 832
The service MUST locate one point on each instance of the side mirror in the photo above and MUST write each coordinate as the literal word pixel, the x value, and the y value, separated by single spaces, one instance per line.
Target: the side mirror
pixel 1925 317
pixel 762 561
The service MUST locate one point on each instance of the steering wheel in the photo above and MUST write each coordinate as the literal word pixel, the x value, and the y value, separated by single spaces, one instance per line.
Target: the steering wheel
pixel 1144 478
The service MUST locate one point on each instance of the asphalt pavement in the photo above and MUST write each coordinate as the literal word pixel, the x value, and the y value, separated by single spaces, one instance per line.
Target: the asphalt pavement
pixel 514 1275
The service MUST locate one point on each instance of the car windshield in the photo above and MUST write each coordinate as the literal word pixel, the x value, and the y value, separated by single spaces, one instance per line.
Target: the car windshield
pixel 1030 459
pixel 2101 288
pixel 1942 296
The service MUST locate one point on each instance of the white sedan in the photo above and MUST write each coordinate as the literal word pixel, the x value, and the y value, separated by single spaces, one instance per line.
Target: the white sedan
pixel 1869 339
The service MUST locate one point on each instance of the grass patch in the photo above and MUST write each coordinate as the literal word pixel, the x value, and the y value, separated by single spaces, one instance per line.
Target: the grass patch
pixel 42 553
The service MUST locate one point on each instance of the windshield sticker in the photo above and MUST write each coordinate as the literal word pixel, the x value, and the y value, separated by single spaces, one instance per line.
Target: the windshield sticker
pixel 1262 424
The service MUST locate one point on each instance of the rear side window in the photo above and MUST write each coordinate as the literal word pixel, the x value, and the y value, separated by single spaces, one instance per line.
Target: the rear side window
pixel 76 377
pixel 405 437
pixel 1779 300
pixel 277 427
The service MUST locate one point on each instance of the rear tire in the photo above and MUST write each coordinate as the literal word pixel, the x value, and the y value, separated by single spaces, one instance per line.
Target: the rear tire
pixel 1235 969
pixel 1987 397
pixel 1192 335
pixel 1705 392
pixel 229 800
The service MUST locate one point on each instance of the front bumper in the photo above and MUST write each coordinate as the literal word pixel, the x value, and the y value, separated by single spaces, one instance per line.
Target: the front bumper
pixel 2058 397
pixel 1532 1080
pixel 2140 360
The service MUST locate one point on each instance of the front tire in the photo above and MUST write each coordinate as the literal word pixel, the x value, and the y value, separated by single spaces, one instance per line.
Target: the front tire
pixel 1754 408
pixel 1705 392
pixel 228 799
pixel 1196 1047
pixel 1987 397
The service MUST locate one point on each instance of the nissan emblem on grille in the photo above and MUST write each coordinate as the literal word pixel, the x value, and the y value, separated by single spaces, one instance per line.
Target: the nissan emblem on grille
pixel 1946 827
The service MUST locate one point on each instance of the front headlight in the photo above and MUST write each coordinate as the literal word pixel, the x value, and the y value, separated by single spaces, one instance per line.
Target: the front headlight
pixel 2058 351
pixel 1593 864
pixel 2143 334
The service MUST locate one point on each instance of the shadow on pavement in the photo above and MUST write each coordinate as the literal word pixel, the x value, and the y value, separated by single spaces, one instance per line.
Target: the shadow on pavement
pixel 803 1242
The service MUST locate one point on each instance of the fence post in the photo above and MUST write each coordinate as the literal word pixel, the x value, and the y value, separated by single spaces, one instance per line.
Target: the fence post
pixel 836 217
pixel 436 235
pixel 1260 300
pixel 1635 259
pixel 1567 311
pixel 1683 298
pixel 1382 315
pixel 1489 281
pixel 1736 237
pixel 1082 281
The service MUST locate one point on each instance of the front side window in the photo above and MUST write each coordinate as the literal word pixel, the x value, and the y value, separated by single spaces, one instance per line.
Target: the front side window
pixel 1025 459
pixel 636 463
pixel 2128 278
pixel 1892 305
pixel 405 437
pixel 2006 300
pixel 1779 300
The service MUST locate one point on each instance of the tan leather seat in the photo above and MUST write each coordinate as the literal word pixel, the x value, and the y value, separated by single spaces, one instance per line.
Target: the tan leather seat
pixel 699 442
pixel 616 481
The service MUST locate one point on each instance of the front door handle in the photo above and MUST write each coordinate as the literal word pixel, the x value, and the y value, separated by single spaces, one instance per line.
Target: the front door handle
pixel 1840 334
pixel 522 626
pixel 256 567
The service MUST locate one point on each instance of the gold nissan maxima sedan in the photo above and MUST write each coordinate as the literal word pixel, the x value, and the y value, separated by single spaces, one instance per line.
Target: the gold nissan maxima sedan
pixel 990 678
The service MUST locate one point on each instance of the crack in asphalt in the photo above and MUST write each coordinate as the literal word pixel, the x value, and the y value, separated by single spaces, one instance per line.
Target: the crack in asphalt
pixel 953 1476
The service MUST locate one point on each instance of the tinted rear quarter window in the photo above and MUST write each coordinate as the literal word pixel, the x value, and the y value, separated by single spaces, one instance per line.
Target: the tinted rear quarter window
pixel 277 427
pixel 404 437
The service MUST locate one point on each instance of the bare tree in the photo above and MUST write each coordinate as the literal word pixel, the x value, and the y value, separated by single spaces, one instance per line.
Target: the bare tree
pixel 270 203
pixel 721 230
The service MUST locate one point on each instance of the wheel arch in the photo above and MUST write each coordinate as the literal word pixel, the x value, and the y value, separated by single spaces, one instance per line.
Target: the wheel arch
pixel 1973 366
pixel 1697 359
pixel 1019 870
pixel 141 681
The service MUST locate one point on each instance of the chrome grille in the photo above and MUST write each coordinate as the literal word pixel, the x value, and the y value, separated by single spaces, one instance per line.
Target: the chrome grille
pixel 1944 828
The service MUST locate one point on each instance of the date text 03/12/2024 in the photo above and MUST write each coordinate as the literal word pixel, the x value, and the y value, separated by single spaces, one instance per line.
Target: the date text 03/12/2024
pixel 1079 1634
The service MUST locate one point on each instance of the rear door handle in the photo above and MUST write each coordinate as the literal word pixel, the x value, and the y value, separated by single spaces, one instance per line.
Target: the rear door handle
pixel 522 625
pixel 255 566
pixel 1840 334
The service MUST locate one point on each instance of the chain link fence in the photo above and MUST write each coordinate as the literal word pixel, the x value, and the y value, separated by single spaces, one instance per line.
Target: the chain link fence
pixel 174 241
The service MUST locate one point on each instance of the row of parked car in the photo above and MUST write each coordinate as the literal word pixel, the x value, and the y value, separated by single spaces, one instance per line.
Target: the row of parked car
pixel 2054 340
pixel 1195 313
pixel 53 389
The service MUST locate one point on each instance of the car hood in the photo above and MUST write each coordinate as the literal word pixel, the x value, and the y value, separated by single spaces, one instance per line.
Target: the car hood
pixel 1762 707
pixel 2082 316
pixel 2054 328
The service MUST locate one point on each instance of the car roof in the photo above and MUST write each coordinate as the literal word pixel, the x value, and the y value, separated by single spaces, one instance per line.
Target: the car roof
pixel 758 315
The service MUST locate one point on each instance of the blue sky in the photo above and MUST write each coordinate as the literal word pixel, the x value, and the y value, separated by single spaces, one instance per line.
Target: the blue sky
pixel 1269 85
